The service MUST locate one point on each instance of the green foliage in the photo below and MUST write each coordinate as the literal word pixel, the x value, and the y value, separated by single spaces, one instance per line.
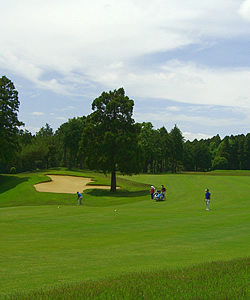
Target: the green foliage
pixel 246 160
pixel 164 152
pixel 45 136
pixel 188 156
pixel 109 140
pixel 46 131
pixel 12 170
pixel 202 157
pixel 33 153
pixel 110 137
pixel 68 136
pixel 176 147
pixel 25 137
pixel 147 140
pixel 220 163
pixel 9 123
pixel 164 144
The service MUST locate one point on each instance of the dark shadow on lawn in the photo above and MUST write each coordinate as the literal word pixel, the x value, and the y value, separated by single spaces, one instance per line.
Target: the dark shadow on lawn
pixel 118 193
pixel 10 182
pixel 128 189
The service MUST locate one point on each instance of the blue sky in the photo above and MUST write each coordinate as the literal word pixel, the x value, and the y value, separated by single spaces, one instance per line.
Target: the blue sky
pixel 182 62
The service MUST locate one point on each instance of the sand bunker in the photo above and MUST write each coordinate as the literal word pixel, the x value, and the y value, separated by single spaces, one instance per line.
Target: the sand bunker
pixel 67 184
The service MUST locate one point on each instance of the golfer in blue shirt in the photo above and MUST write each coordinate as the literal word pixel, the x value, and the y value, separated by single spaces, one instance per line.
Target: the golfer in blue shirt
pixel 207 198
pixel 79 197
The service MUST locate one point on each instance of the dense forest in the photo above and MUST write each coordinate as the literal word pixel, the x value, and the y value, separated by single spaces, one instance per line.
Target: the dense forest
pixel 163 151
pixel 110 134
pixel 166 152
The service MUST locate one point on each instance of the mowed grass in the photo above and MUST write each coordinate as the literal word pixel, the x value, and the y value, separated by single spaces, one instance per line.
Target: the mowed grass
pixel 19 190
pixel 217 280
pixel 43 246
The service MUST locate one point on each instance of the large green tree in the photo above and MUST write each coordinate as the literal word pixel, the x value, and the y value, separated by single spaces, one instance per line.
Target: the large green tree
pixel 110 136
pixel 9 123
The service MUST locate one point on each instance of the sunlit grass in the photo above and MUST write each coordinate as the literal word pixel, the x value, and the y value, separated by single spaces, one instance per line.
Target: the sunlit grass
pixel 49 243
pixel 216 280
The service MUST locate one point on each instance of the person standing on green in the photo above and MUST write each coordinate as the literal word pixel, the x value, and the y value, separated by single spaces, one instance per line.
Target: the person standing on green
pixel 79 197
pixel 163 191
pixel 207 198
pixel 152 190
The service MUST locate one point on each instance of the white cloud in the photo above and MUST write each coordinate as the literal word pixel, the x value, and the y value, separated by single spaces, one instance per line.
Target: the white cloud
pixel 37 113
pixel 189 83
pixel 32 129
pixel 191 136
pixel 62 118
pixel 77 35
pixel 173 108
pixel 78 47
pixel 196 119
pixel 67 108
pixel 244 10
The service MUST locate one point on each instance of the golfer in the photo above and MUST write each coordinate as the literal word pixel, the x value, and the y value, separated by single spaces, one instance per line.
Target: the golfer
pixel 207 198
pixel 79 197
pixel 152 190
pixel 163 191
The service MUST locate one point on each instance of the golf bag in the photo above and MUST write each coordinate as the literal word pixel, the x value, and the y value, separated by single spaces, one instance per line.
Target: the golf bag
pixel 158 196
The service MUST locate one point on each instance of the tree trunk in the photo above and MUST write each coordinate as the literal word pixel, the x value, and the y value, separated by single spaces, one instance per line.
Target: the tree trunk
pixel 113 180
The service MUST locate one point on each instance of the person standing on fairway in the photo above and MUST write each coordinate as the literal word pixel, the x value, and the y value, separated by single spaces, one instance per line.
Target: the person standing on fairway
pixel 152 190
pixel 163 191
pixel 79 197
pixel 207 198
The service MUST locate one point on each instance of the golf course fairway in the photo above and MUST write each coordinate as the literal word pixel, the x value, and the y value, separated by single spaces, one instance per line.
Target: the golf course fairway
pixel 48 241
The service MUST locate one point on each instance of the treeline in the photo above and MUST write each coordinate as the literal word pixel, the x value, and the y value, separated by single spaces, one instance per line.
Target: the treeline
pixel 109 140
pixel 166 152
pixel 163 151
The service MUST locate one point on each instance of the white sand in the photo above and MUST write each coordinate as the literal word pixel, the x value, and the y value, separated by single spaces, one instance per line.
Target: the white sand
pixel 67 184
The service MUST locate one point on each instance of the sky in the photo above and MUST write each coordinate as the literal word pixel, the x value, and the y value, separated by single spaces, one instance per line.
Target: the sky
pixel 182 62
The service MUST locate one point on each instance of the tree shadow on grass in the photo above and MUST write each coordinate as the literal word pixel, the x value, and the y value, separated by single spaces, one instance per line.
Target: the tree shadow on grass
pixel 118 193
pixel 127 189
pixel 10 182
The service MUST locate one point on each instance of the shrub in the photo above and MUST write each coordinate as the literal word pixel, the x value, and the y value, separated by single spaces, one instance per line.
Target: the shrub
pixel 12 170
pixel 220 163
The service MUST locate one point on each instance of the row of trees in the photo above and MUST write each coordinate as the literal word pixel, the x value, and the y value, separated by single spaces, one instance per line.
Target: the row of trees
pixel 169 152
pixel 160 151
pixel 109 140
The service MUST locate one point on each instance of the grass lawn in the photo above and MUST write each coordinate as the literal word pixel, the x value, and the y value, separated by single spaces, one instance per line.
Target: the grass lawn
pixel 43 246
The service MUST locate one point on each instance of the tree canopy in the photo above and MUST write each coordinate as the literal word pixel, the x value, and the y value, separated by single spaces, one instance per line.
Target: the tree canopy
pixel 109 140
pixel 9 123
pixel 110 136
